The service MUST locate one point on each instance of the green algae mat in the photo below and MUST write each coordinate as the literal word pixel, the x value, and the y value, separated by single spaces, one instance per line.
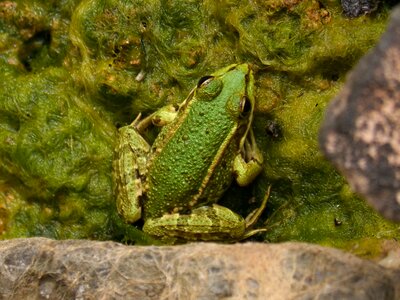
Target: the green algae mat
pixel 73 72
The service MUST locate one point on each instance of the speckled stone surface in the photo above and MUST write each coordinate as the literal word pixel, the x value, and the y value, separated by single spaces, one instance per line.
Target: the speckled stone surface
pixel 40 268
pixel 356 8
pixel 361 131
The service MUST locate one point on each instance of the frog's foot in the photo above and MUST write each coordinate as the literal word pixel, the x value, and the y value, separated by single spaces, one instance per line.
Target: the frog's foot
pixel 205 223
pixel 164 115
pixel 159 118
pixel 248 164
pixel 254 216
pixel 136 121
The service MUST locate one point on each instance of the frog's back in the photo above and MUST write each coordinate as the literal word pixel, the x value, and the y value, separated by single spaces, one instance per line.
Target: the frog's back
pixel 195 164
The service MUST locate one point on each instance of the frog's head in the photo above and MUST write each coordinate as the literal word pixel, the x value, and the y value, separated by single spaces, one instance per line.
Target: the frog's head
pixel 238 82
pixel 229 91
pixel 232 87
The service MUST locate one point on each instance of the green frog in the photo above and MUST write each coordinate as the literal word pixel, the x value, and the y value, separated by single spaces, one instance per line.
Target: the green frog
pixel 204 143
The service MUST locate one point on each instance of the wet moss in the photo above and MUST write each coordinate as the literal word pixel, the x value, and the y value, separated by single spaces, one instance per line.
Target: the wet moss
pixel 73 71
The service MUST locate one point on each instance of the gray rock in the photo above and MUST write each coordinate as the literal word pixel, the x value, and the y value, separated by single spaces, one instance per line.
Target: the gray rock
pixel 361 131
pixel 40 268
pixel 356 8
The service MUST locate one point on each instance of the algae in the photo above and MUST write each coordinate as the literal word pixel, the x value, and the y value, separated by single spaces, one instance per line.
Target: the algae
pixel 72 72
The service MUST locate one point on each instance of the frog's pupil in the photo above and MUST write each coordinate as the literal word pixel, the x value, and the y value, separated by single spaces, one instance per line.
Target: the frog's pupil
pixel 203 80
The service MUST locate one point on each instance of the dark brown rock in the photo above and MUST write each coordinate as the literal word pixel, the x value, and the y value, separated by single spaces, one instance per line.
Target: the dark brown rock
pixel 361 131
pixel 40 268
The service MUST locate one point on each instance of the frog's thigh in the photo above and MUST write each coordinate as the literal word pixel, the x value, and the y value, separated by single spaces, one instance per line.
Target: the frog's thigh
pixel 129 165
pixel 246 172
pixel 204 223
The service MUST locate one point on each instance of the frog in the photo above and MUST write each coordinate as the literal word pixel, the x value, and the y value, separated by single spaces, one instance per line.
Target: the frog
pixel 204 144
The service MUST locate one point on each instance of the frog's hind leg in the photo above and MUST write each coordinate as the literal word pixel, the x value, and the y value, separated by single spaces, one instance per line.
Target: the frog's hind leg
pixel 205 223
pixel 129 169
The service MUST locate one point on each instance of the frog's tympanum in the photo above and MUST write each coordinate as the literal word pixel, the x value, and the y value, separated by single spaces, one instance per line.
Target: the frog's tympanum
pixel 205 143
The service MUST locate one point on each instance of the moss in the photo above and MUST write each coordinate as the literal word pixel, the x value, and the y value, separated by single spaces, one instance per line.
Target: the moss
pixel 73 71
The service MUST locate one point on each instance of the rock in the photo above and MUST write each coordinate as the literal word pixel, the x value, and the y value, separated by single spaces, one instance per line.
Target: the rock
pixel 46 269
pixel 361 131
pixel 356 8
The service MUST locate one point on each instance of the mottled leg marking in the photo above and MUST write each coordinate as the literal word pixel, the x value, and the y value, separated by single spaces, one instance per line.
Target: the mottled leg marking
pixel 204 223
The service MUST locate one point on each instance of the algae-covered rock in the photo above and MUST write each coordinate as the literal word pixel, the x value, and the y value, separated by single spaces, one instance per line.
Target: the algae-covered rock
pixel 56 151
pixel 72 72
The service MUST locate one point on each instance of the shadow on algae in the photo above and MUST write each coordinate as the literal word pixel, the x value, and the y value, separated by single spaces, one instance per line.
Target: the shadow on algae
pixel 72 72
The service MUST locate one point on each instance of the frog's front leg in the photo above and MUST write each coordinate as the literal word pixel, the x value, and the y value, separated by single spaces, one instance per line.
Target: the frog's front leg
pixel 205 223
pixel 248 164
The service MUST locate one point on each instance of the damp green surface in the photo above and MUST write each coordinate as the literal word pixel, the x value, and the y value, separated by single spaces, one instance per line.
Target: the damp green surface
pixel 73 71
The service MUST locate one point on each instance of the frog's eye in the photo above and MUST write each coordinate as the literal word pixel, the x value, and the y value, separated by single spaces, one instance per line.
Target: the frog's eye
pixel 204 80
pixel 245 106
pixel 208 88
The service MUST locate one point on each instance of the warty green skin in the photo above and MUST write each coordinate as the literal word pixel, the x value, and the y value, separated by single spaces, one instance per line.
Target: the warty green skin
pixel 192 162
